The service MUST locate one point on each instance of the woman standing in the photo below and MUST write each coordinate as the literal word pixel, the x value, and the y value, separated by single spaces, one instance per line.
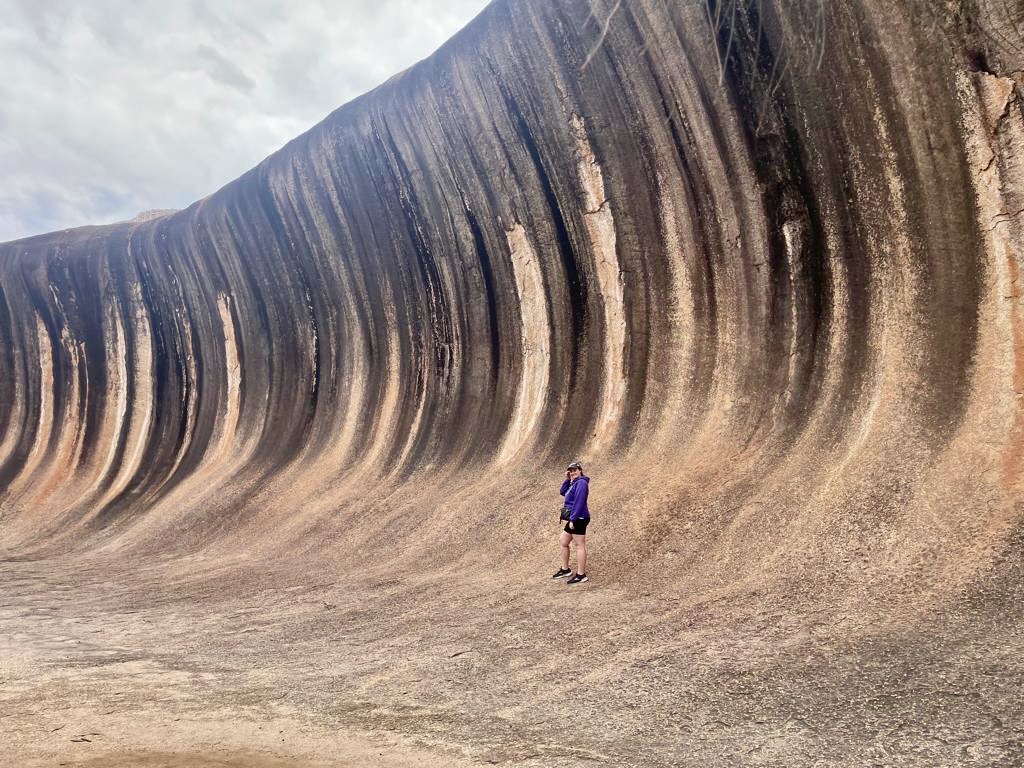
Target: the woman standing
pixel 575 489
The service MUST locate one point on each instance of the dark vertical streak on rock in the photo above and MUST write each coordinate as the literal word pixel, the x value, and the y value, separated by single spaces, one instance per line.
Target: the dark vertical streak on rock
pixel 491 294
pixel 777 165
pixel 577 290
pixel 7 370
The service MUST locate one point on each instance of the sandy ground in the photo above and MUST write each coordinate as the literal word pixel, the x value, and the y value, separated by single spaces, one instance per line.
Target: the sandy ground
pixel 228 665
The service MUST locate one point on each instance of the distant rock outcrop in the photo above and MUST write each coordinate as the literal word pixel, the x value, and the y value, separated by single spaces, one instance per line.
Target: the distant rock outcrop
pixel 759 262
pixel 156 213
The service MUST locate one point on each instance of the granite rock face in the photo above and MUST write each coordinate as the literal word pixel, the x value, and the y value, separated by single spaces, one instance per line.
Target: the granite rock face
pixel 758 264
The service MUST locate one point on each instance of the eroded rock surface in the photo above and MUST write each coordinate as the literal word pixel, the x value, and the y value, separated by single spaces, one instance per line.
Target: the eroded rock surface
pixel 758 264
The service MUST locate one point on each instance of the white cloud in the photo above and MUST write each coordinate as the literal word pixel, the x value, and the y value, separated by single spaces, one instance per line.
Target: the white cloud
pixel 112 107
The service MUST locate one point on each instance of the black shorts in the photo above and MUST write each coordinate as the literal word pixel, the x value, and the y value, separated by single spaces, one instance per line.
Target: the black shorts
pixel 579 527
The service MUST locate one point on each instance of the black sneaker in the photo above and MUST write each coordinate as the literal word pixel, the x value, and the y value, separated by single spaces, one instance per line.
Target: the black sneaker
pixel 561 573
pixel 579 578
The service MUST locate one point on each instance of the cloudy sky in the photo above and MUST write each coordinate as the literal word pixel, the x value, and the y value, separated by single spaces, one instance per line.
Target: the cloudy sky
pixel 112 107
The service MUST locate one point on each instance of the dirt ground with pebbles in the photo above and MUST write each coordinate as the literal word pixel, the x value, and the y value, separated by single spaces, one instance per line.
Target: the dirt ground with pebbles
pixel 188 665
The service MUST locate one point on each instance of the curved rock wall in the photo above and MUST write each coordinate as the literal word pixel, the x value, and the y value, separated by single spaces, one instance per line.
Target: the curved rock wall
pixel 756 263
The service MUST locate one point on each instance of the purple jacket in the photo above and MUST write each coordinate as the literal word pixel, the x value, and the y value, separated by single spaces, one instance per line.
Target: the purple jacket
pixel 576 497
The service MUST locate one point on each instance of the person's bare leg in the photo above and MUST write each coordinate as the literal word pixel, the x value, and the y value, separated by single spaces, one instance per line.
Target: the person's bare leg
pixel 581 553
pixel 564 540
